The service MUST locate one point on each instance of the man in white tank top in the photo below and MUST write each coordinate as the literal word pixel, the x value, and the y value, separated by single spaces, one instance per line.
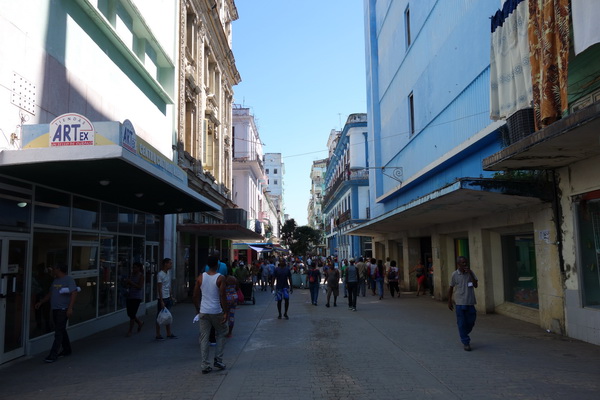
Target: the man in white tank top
pixel 210 301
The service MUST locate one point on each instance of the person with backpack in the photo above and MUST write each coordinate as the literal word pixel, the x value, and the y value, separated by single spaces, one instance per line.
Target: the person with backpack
pixel 314 281
pixel 392 277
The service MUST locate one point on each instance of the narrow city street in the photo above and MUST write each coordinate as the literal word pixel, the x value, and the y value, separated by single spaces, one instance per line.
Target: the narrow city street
pixel 405 348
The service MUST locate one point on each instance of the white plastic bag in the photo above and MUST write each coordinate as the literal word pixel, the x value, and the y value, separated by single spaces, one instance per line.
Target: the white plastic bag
pixel 164 317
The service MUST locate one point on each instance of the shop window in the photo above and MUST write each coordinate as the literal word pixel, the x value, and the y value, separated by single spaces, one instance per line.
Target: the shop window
pixel 52 207
pixel 15 210
pixel 85 305
pixel 108 273
pixel 588 218
pixel 520 272
pixel 152 228
pixel 86 213
pixel 125 220
pixel 124 263
pixel 109 218
pixel 50 249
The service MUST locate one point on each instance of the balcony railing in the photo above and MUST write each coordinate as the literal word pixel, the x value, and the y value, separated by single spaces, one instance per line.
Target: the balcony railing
pixel 348 175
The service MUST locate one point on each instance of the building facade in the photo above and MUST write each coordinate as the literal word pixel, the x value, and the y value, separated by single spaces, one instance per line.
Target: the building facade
pixel 345 203
pixel 432 120
pixel 315 216
pixel 116 144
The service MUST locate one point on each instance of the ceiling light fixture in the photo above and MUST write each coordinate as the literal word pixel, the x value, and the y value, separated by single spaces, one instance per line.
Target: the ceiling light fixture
pixel 161 203
pixel 22 204
pixel 139 195
pixel 104 182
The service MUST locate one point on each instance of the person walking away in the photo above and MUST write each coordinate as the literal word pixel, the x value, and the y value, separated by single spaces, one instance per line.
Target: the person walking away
pixel 372 265
pixel 314 281
pixel 420 271
pixel 379 278
pixel 211 305
pixel 62 295
pixel 282 277
pixel 430 276
pixel 462 284
pixel 164 296
pixel 232 285
pixel 343 272
pixel 352 278
pixel 393 278
pixel 135 284
pixel 333 285
pixel 362 276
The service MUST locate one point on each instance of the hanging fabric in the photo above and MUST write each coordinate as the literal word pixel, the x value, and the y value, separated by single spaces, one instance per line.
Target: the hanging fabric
pixel 510 68
pixel 549 44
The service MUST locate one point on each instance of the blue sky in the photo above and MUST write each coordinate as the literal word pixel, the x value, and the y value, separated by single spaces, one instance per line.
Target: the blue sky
pixel 302 64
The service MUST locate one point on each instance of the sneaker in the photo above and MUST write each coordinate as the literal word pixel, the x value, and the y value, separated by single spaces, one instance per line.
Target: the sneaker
pixel 327 305
pixel 206 370
pixel 172 337
pixel 334 304
pixel 286 316
pixel 354 309
pixel 279 317
pixel 159 338
pixel 219 365
pixel 49 359
pixel 467 347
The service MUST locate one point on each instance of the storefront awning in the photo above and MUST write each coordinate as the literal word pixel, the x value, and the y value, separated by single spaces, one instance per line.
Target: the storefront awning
pixel 566 141
pixel 224 231
pixel 464 199
pixel 112 164
pixel 260 247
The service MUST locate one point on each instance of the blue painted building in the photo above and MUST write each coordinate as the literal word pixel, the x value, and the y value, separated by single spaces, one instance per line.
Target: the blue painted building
pixel 346 200
pixel 430 199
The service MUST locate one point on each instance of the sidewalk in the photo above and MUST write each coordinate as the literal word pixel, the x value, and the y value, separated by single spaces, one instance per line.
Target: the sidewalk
pixel 405 348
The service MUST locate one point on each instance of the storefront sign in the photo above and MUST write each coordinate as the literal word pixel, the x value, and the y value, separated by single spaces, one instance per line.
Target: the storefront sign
pixel 129 137
pixel 71 130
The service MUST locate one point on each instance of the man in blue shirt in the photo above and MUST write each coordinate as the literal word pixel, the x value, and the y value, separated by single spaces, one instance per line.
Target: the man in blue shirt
pixel 62 296
pixel 283 287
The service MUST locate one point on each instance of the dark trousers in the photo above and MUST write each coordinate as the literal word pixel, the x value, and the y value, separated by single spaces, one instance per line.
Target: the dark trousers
pixel 61 338
pixel 394 288
pixel 352 293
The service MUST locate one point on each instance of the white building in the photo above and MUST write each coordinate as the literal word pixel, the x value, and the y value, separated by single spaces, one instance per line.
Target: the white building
pixel 317 189
pixel 249 180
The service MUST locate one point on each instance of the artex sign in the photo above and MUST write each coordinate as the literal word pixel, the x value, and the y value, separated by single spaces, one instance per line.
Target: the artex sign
pixel 71 130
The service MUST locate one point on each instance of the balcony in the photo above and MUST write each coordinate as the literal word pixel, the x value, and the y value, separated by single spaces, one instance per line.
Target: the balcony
pixel 348 175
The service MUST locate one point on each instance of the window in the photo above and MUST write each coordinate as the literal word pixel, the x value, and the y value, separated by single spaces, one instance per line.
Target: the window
pixel 407 27
pixel 520 272
pixel 275 170
pixel 411 114
pixel 267 171
pixel 275 182
pixel 588 216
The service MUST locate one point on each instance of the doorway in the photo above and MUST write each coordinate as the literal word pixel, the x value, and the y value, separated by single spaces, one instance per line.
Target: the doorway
pixel 13 266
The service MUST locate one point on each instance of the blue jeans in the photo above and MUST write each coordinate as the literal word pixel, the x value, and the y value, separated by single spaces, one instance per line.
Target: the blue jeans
pixel 314 291
pixel 380 286
pixel 465 319
pixel 208 321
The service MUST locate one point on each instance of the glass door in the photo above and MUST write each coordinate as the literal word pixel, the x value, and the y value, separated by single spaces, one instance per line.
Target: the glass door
pixel 13 265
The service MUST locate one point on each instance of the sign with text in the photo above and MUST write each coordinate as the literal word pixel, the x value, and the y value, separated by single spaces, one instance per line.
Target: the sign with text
pixel 71 130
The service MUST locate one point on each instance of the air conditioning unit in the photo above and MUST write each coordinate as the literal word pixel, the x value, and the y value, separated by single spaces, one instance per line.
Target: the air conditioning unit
pixel 236 216
pixel 520 124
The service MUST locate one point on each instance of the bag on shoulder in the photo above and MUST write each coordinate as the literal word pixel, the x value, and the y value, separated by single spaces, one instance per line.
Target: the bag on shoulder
pixel 164 317
pixel 391 275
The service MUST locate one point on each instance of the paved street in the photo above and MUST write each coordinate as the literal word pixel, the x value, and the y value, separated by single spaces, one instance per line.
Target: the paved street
pixel 404 348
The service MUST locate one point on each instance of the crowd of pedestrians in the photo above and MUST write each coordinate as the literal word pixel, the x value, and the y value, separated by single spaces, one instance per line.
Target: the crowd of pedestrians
pixel 217 293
